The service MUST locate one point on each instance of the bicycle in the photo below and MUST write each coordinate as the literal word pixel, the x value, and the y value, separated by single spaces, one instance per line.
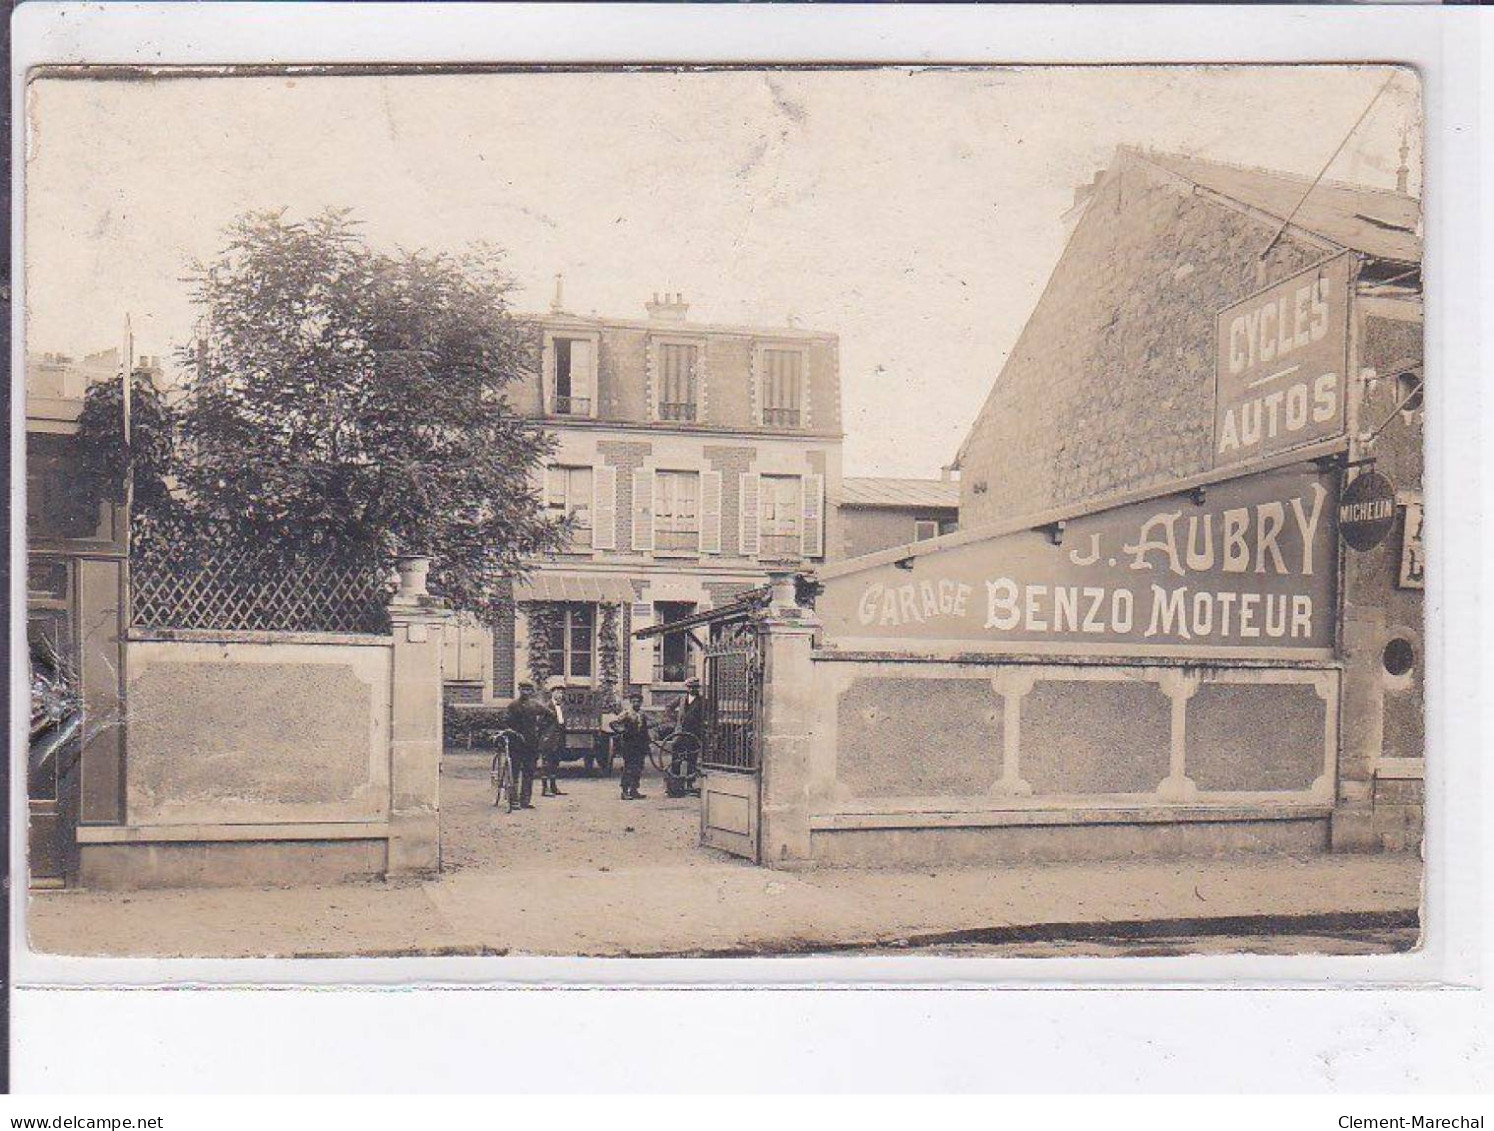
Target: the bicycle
pixel 501 772
pixel 677 757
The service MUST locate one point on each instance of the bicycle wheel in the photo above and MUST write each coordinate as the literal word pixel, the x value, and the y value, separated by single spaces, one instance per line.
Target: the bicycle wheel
pixel 498 777
pixel 681 762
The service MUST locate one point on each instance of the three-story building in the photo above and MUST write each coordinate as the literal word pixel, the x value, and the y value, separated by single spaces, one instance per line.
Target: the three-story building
pixel 691 459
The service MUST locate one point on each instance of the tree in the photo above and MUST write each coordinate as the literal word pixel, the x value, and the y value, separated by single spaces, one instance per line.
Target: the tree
pixel 101 452
pixel 347 401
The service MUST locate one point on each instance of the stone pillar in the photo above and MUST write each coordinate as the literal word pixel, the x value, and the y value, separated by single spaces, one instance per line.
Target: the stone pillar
pixel 786 631
pixel 1363 730
pixel 419 622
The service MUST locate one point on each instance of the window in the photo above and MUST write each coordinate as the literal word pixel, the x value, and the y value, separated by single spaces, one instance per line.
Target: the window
pixel 782 387
pixel 568 492
pixel 572 641
pixel 678 381
pixel 672 657
pixel 924 529
pixel 1399 656
pixel 1408 385
pixel 677 510
pixel 780 509
pixel 575 376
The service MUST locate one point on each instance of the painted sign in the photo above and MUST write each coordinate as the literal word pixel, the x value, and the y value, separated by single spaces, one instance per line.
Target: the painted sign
pixel 1413 557
pixel 1248 565
pixel 1281 366
pixel 1366 512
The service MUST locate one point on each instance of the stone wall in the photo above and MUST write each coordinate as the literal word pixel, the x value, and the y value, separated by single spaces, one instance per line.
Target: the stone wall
pixel 1110 387
pixel 257 733
pixel 278 758
pixel 1016 756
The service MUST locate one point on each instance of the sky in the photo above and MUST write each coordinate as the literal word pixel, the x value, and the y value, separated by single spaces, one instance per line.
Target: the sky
pixel 916 213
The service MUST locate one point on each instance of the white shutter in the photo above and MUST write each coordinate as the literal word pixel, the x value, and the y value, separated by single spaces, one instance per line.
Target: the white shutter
pixel 643 509
pixel 604 507
pixel 476 647
pixel 710 512
pixel 583 371
pixel 812 532
pixel 749 506
pixel 641 652
pixel 547 375
pixel 451 651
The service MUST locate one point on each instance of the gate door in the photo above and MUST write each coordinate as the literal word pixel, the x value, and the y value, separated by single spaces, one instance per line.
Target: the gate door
pixel 729 790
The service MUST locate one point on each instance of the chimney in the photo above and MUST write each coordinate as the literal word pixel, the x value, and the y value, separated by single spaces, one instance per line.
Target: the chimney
pixel 557 304
pixel 672 309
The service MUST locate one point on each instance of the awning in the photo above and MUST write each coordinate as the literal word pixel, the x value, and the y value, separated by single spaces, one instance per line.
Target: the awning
pixel 603 589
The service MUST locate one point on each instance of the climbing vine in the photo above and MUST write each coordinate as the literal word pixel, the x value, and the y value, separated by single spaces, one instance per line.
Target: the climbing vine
pixel 543 618
pixel 609 657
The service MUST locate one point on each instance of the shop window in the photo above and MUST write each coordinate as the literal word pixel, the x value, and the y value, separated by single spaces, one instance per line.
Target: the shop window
pixel 572 641
pixel 575 376
pixel 568 493
pixel 677 511
pixel 781 513
pixel 1399 656
pixel 924 529
pixel 672 662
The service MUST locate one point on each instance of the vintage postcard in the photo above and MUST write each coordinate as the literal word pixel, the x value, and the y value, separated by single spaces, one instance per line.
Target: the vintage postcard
pixel 725 512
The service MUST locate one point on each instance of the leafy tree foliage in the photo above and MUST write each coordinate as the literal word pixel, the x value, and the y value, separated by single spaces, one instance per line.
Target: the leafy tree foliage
pixel 348 401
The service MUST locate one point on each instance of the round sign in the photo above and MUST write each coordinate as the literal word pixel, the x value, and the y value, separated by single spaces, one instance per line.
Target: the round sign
pixel 1366 511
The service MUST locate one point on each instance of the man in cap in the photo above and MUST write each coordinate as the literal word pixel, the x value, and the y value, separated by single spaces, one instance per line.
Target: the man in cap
pixel 690 716
pixel 631 729
pixel 552 742
pixel 523 717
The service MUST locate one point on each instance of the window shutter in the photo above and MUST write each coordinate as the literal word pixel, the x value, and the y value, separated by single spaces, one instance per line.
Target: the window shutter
pixel 604 507
pixel 749 505
pixel 547 375
pixel 643 509
pixel 583 373
pixel 451 651
pixel 641 652
pixel 475 650
pixel 710 512
pixel 812 533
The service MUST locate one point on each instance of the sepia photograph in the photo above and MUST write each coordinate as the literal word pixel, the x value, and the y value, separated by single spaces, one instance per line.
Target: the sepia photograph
pixel 724 512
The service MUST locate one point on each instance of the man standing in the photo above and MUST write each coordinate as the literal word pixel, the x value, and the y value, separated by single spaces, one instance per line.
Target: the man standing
pixel 552 741
pixel 690 720
pixel 631 729
pixel 522 717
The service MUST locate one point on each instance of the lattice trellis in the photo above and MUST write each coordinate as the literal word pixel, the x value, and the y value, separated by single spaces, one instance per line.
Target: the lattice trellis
pixel 247 590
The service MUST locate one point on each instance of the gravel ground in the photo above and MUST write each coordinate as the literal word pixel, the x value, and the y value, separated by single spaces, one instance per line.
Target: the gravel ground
pixel 591 827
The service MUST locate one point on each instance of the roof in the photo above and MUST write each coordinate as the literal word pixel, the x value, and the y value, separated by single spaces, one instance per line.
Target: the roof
pixel 877 492
pixel 565 320
pixel 1378 222
pixel 544 585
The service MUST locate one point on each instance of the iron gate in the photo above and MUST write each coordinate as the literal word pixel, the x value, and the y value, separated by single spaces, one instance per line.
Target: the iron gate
pixel 729 794
pixel 733 697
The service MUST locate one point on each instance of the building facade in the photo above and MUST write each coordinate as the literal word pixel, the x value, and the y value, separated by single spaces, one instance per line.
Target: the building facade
pixel 75 581
pixel 691 459
pixel 1157 627
pixel 880 513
